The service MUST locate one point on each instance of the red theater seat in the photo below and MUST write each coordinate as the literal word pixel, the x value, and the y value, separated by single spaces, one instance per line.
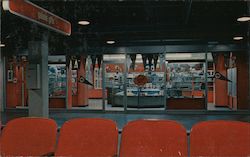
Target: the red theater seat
pixel 153 138
pixel 220 138
pixel 28 137
pixel 87 137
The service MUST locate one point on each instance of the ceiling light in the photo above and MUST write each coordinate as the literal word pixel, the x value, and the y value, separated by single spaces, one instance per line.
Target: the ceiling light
pixel 178 55
pixel 110 42
pixel 2 45
pixel 243 19
pixel 238 38
pixel 83 23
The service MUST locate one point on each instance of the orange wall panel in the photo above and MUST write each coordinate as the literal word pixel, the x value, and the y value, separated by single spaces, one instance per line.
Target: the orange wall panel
pixel 221 97
pixel 242 80
pixel 210 96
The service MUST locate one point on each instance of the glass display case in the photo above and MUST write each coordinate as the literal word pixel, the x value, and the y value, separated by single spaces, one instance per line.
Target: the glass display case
pixel 185 80
pixel 149 95
pixel 185 86
pixel 57 80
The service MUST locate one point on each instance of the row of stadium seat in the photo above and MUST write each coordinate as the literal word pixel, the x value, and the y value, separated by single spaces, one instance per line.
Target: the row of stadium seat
pixel 92 137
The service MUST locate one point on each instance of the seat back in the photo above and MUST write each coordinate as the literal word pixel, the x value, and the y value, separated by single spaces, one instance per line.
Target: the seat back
pixel 90 137
pixel 220 138
pixel 153 138
pixel 28 137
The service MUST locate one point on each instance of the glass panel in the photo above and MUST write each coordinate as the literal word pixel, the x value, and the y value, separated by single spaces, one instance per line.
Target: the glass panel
pixel 57 80
pixel 222 85
pixel 185 81
pixel 114 82
pixel 74 82
pixel 93 68
pixel 148 95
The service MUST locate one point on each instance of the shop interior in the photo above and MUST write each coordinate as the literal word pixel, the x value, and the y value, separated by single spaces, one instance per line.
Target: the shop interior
pixel 175 81
pixel 188 64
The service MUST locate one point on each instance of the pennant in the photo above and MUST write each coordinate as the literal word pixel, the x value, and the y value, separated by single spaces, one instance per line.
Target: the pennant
pixel 219 76
pixel 83 80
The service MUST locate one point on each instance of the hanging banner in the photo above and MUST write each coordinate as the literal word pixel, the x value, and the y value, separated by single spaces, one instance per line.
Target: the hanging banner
pixel 34 13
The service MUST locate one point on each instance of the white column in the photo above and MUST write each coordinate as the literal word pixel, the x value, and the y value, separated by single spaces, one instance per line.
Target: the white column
pixel 37 79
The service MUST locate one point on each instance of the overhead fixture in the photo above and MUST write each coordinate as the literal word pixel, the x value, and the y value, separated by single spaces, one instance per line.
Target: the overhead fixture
pixel 83 22
pixel 238 38
pixel 114 57
pixel 178 55
pixel 2 45
pixel 110 42
pixel 243 19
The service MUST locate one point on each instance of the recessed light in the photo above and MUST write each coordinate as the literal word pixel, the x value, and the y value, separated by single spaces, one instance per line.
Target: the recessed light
pixel 243 19
pixel 238 38
pixel 83 22
pixel 2 45
pixel 110 42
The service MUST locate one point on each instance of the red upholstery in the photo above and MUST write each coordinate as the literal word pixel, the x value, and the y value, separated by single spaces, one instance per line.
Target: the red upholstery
pixel 28 137
pixel 88 137
pixel 153 138
pixel 220 138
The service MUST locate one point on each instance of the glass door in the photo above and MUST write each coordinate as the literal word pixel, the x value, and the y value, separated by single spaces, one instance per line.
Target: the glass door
pixel 113 82
pixel 145 82
pixel 186 81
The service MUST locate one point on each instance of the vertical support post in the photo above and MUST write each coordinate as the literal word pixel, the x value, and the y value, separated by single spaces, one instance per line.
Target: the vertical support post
pixel 2 91
pixel 125 98
pixel 206 84
pixel 23 97
pixel 38 82
pixel 82 89
pixel 103 86
pixel 164 79
pixel 248 42
pixel 68 84
pixel 1 69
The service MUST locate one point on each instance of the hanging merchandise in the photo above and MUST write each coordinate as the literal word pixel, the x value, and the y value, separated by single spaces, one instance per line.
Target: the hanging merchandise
pixel 84 60
pixel 133 59
pixel 89 72
pixel 144 59
pixel 93 58
pixel 129 63
pixel 150 59
pixel 78 59
pixel 68 61
pixel 96 74
pixel 162 62
pixel 99 60
pixel 76 64
pixel 155 57
pixel 215 56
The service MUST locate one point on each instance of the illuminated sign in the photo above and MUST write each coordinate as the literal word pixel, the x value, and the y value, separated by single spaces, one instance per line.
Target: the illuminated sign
pixel 34 13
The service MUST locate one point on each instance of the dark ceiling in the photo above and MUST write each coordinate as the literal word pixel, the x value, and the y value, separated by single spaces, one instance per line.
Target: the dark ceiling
pixel 131 23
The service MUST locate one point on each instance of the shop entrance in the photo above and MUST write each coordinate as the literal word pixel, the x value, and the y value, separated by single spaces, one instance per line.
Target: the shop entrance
pixel 186 81
pixel 145 82
pixel 113 83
